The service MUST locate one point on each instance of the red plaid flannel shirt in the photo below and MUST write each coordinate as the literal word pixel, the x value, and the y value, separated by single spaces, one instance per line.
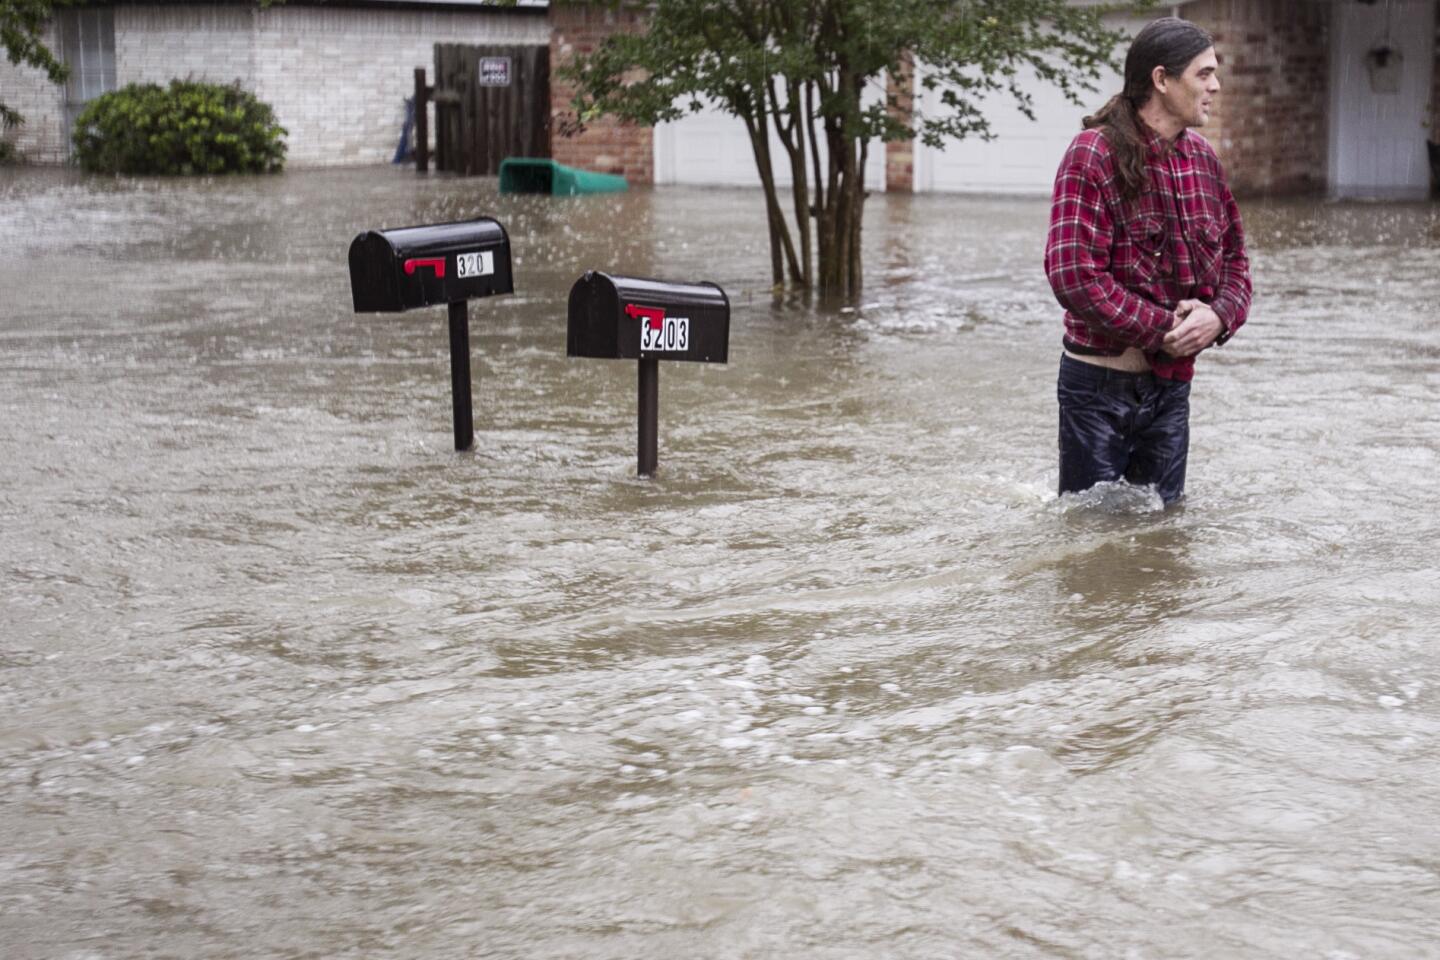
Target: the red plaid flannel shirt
pixel 1119 268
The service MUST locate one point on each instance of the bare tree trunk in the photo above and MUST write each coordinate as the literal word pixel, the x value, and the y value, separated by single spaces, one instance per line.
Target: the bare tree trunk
pixel 814 149
pixel 839 230
pixel 782 247
pixel 800 182
pixel 834 228
pixel 791 131
pixel 844 213
pixel 826 235
pixel 857 216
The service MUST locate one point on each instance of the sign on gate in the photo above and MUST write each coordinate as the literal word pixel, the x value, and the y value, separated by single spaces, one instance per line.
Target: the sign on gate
pixel 494 71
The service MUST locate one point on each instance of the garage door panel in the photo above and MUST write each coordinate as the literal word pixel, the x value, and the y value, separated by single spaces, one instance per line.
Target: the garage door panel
pixel 1024 153
pixel 711 148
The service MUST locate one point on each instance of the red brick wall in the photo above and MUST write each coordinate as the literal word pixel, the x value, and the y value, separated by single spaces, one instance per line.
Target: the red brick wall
pixel 606 145
pixel 1270 127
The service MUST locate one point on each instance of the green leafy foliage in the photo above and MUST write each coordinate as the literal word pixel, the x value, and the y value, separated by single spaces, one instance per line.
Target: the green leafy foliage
pixel 727 50
pixel 804 69
pixel 188 127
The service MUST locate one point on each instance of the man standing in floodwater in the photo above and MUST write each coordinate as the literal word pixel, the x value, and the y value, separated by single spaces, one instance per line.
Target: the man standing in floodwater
pixel 1147 256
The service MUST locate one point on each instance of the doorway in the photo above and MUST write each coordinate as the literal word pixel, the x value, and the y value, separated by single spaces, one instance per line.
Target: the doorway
pixel 1381 66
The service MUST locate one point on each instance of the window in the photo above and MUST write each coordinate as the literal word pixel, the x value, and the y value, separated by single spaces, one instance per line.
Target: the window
pixel 87 45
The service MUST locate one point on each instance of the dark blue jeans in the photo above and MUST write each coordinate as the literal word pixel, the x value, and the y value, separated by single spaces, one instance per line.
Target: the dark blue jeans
pixel 1122 426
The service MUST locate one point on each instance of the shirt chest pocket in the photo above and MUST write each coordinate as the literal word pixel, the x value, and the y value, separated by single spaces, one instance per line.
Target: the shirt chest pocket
pixel 1148 255
pixel 1207 244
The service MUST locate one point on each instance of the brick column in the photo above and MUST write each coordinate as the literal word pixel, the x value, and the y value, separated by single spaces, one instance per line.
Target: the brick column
pixel 1271 125
pixel 900 154
pixel 607 145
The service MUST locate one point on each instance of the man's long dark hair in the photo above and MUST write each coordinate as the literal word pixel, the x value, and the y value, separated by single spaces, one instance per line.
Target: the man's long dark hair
pixel 1170 43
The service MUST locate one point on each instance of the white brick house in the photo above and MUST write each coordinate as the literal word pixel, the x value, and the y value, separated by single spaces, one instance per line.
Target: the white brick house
pixel 337 75
pixel 1300 111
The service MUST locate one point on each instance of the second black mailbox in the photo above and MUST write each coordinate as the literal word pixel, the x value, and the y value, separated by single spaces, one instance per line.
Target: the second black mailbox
pixel 633 318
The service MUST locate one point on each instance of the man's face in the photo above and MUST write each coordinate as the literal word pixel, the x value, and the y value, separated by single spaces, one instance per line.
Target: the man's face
pixel 1189 97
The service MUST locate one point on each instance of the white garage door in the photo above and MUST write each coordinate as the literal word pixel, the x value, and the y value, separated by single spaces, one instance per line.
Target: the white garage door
pixel 1025 153
pixel 711 148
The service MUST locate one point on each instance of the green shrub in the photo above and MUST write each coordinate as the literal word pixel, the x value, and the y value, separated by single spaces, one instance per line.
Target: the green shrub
pixel 186 128
pixel 7 152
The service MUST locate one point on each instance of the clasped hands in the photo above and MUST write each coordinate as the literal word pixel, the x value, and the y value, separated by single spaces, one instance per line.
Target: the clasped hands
pixel 1196 326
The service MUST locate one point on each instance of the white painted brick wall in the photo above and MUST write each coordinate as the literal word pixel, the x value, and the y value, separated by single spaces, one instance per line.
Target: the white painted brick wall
pixel 158 44
pixel 336 77
pixel 41 139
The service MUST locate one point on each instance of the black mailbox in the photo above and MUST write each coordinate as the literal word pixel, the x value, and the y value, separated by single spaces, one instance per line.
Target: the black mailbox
pixel 394 270
pixel 631 318
pixel 449 263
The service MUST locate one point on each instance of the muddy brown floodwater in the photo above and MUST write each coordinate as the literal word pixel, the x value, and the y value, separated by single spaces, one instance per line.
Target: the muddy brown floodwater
pixel 282 675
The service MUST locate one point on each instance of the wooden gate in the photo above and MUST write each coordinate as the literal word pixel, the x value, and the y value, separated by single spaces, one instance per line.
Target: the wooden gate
pixel 491 102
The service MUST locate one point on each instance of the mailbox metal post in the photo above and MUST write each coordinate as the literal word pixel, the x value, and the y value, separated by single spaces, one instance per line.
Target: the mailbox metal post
pixel 460 375
pixel 422 122
pixel 450 263
pixel 648 447
pixel 631 318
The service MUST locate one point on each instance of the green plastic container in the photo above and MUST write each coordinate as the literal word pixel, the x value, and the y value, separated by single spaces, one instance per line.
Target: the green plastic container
pixel 541 175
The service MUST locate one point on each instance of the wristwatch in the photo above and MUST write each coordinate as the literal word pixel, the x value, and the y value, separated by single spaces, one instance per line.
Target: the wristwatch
pixel 1224 329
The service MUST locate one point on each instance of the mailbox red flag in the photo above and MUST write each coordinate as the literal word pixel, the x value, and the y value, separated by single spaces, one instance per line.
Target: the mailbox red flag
pixel 654 315
pixel 435 263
